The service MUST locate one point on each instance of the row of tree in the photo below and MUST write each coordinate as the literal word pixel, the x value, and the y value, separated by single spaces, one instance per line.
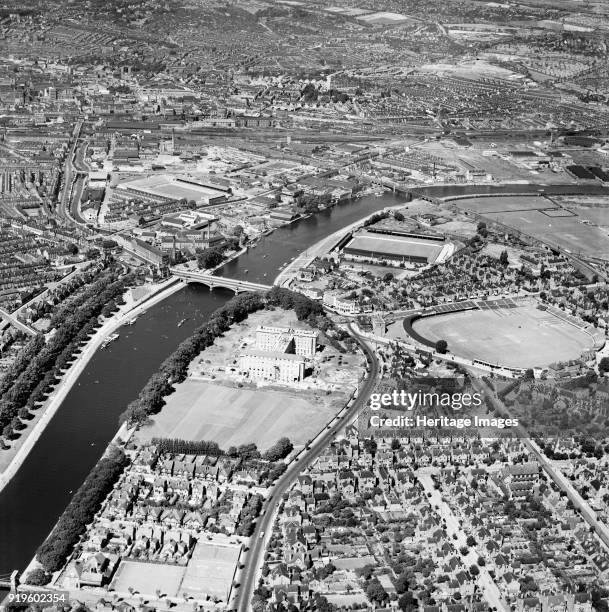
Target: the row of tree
pixel 304 307
pixel 246 452
pixel 174 369
pixel 280 450
pixel 214 256
pixel 83 297
pixel 176 446
pixel 40 364
pixel 24 357
pixel 54 551
pixel 249 514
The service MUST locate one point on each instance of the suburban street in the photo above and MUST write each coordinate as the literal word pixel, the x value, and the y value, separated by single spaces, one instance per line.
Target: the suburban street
pixel 487 584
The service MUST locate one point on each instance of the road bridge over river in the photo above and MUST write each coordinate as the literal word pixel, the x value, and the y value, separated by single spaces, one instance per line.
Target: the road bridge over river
pixel 206 278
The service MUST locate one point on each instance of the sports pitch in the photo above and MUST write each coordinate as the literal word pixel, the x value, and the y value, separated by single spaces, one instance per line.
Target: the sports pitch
pixel 524 213
pixel 522 337
pixel 171 187
pixel 147 578
pixel 495 204
pixel 566 232
pixel 200 410
pixel 211 570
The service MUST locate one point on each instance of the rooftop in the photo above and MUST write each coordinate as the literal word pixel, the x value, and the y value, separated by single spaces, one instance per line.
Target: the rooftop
pixel 395 245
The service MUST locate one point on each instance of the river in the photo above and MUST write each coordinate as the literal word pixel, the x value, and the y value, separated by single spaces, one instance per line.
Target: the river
pixel 264 260
pixel 88 418
pixel 445 191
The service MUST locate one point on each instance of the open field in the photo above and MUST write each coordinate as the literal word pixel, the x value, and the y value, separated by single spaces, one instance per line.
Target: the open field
pixel 216 403
pixel 146 578
pixel 597 215
pixel 200 410
pixel 520 337
pixel 525 214
pixel 211 569
pixel 504 204
pixel 565 232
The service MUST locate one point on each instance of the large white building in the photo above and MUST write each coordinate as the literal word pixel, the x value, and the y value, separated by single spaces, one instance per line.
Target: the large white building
pixel 272 366
pixel 287 340
pixel 280 354
pixel 338 302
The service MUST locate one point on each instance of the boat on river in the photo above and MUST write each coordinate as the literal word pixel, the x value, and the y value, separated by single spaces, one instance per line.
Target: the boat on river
pixel 110 338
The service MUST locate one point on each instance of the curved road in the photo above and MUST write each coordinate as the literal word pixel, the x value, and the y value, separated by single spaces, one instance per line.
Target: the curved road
pixel 264 524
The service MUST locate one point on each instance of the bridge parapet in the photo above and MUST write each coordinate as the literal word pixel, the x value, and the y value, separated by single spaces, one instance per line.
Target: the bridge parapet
pixel 234 284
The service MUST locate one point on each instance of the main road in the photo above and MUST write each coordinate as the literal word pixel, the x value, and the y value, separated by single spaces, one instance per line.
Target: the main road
pixel 258 540
pixel 6 316
pixel 114 377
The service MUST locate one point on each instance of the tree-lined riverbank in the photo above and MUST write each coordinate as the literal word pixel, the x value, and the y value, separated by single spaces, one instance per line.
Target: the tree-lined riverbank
pixel 13 458
pixel 87 418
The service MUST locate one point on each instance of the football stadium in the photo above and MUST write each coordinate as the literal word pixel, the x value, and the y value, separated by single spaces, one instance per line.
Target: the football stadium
pixel 173 188
pixel 394 248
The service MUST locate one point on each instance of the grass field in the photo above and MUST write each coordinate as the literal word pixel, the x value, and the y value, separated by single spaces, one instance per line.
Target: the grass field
pixel 210 570
pixel 200 410
pixel 565 232
pixel 504 203
pixel 599 215
pixel 146 578
pixel 169 186
pixel 515 337
pixel 524 213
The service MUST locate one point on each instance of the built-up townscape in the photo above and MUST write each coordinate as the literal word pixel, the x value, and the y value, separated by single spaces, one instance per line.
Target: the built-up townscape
pixel 304 305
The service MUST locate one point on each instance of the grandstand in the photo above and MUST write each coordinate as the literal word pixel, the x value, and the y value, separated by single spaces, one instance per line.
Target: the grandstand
pixel 507 333
pixel 170 187
pixel 395 248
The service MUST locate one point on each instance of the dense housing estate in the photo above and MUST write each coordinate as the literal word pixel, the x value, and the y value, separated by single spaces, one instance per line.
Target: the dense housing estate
pixel 445 166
